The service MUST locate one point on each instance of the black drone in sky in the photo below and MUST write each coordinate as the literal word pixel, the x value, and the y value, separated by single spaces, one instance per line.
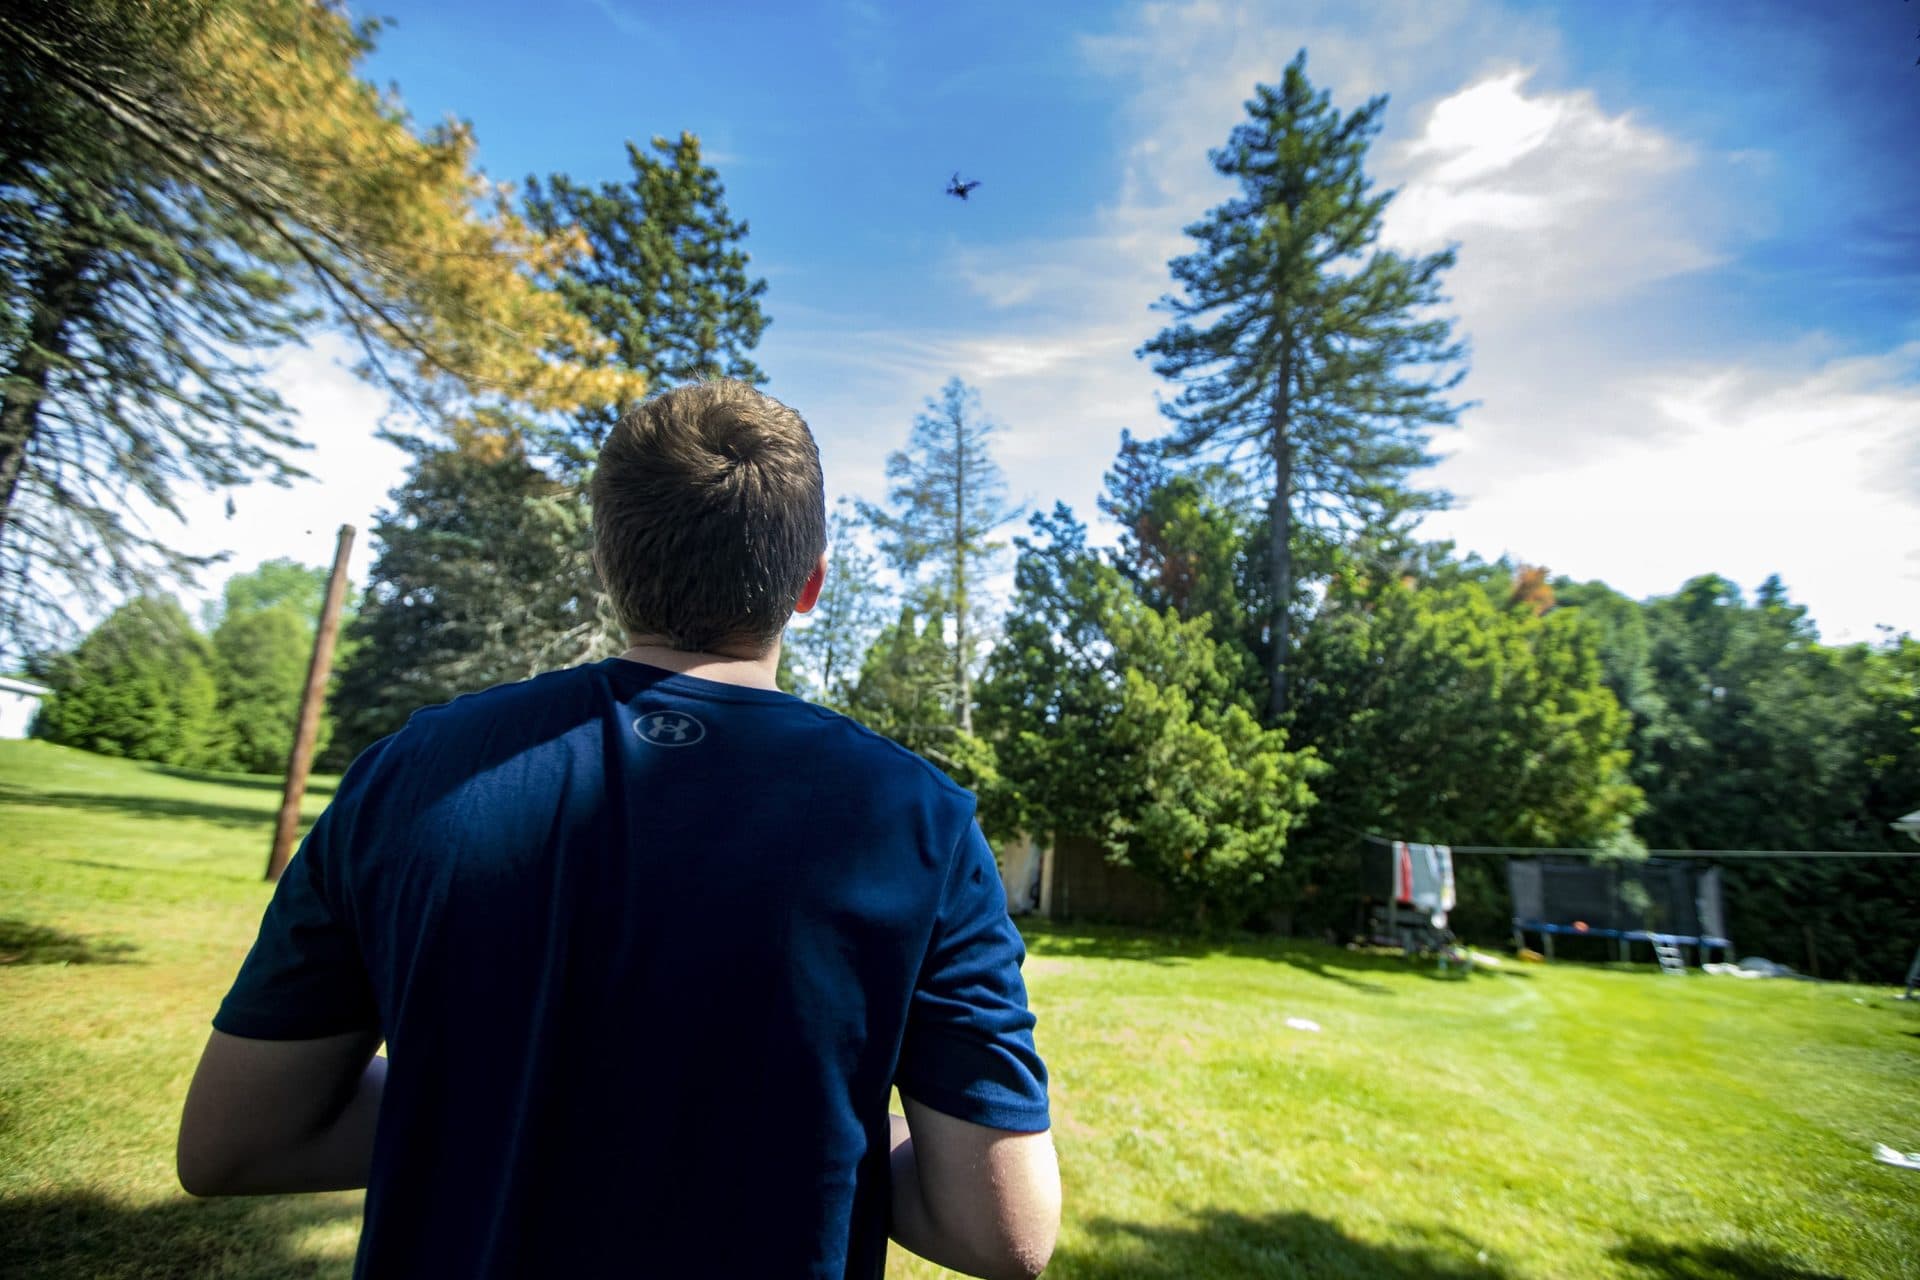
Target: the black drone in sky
pixel 959 188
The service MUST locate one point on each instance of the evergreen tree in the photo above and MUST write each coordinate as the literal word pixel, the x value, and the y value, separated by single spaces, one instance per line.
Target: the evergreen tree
pixel 140 685
pixel 904 688
pixel 482 577
pixel 948 500
pixel 666 279
pixel 1190 541
pixel 1128 723
pixel 182 186
pixel 827 646
pixel 665 287
pixel 1307 352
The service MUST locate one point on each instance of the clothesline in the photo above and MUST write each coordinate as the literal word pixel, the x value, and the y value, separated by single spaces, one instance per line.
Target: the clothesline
pixel 1531 851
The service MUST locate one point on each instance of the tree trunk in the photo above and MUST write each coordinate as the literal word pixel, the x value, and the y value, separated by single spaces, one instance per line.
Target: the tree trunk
pixel 56 296
pixel 1280 546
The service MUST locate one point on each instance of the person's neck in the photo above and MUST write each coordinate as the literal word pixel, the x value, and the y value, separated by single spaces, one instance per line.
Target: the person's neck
pixel 725 664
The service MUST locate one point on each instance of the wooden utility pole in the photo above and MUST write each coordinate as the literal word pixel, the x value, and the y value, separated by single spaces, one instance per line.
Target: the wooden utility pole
pixel 311 703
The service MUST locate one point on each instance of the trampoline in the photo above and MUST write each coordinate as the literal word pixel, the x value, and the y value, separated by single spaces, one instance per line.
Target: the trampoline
pixel 1661 902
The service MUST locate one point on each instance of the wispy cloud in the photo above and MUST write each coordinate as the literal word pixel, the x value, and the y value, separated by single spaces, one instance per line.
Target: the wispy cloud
pixel 1560 203
pixel 628 22
pixel 865 39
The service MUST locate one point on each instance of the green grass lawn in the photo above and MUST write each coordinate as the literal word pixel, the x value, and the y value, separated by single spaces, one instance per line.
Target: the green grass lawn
pixel 1558 1120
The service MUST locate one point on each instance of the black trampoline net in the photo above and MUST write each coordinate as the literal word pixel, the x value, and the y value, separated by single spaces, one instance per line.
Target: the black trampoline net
pixel 1657 896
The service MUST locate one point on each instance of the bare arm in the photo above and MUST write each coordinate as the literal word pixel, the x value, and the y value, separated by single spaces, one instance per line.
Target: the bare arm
pixel 271 1116
pixel 981 1201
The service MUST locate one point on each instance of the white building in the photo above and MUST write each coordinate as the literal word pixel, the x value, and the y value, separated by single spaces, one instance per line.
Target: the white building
pixel 18 701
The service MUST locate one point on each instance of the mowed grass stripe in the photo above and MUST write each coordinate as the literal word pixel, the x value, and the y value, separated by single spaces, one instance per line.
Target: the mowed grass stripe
pixel 1560 1120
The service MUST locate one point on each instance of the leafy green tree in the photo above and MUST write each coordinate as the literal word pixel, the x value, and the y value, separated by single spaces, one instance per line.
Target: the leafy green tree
pixel 666 280
pixel 482 576
pixel 827 646
pixel 1626 660
pixel 182 187
pixel 1891 737
pixel 1306 352
pixel 140 685
pixel 948 500
pixel 260 669
pixel 1445 714
pixel 1780 742
pixel 1767 718
pixel 1128 723
pixel 272 584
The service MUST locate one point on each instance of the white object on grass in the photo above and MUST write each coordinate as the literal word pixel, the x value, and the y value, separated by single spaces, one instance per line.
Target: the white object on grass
pixel 1730 970
pixel 1303 1024
pixel 1899 1159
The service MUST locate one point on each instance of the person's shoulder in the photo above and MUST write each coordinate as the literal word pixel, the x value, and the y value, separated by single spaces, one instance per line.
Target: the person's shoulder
pixel 548 693
pixel 503 718
pixel 877 753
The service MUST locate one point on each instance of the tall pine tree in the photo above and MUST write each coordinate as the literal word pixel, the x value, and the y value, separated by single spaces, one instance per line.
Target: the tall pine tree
pixel 1306 351
pixel 665 285
pixel 666 279
pixel 947 501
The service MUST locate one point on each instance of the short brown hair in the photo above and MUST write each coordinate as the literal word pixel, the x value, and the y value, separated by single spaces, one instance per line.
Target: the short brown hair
pixel 709 514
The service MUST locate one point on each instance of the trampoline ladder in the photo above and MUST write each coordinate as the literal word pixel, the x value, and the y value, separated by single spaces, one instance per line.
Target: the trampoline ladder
pixel 1671 960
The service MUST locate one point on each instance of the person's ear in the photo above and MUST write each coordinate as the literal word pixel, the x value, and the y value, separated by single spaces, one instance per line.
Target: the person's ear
pixel 810 594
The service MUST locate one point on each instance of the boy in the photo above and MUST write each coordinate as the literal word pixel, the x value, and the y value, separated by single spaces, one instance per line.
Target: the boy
pixel 648 942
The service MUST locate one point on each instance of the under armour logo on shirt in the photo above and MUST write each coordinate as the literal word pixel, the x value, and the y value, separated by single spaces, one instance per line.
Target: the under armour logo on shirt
pixel 669 729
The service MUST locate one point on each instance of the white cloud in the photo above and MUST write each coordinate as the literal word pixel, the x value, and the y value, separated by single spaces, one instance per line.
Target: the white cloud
pixel 351 471
pixel 1745 473
pixel 1603 459
pixel 1556 202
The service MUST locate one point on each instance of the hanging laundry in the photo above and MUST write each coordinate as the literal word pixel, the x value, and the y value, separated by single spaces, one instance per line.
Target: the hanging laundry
pixel 1432 881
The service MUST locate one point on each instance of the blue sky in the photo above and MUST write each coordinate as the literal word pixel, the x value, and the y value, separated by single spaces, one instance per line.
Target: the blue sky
pixel 1689 242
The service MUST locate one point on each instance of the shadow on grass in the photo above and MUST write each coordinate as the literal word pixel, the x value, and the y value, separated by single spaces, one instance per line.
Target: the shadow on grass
pixel 1220 1243
pixel 1356 969
pixel 249 781
pixel 85 1236
pixel 226 815
pixel 1664 1260
pixel 24 943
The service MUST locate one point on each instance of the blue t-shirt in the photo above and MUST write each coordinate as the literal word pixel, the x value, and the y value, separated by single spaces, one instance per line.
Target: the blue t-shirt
pixel 648 952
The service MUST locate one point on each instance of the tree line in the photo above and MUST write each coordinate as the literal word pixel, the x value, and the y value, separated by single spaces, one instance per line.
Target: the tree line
pixel 148 684
pixel 1266 666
